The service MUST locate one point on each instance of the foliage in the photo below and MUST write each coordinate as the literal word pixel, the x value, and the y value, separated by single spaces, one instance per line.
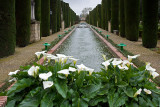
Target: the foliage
pixel 45 18
pixel 38 10
pixel 23 21
pixel 114 15
pixel 118 83
pixel 150 23
pixel 7 28
pixel 58 15
pixel 131 19
pixel 122 18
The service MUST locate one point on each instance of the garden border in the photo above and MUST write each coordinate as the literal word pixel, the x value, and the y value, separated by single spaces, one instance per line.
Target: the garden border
pixel 3 99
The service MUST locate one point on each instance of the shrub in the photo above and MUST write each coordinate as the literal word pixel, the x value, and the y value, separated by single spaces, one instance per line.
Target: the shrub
pixel 122 18
pixel 38 10
pixel 23 21
pixel 150 23
pixel 7 27
pixel 54 6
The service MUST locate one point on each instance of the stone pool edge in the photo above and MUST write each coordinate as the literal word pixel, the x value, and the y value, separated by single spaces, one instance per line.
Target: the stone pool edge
pixel 3 99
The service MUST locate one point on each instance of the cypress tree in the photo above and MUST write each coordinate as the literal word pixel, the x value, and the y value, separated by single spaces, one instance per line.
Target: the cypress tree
pixel 150 23
pixel 58 15
pixel 54 15
pixel 99 15
pixel 7 27
pixel 23 21
pixel 105 15
pixel 122 18
pixel 102 15
pixel 114 15
pixel 45 18
pixel 132 19
pixel 109 10
pixel 38 10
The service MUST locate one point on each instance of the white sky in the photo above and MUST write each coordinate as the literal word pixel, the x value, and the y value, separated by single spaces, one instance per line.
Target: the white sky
pixel 78 5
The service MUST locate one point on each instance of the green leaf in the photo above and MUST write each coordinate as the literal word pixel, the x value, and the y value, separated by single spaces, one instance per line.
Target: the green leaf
pixel 122 84
pixel 129 91
pixel 30 101
pixel 47 100
pixel 79 81
pixel 79 103
pixel 65 103
pixel 91 90
pixel 20 85
pixel 97 99
pixel 61 87
pixel 33 92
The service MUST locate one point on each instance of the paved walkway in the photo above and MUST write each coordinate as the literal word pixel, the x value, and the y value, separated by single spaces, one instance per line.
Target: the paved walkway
pixel 136 48
pixel 23 56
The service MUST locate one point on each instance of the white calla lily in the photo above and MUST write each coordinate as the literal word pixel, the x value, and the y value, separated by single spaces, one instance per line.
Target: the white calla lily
pixel 74 60
pixel 138 92
pixel 47 84
pixel 149 68
pixel 64 71
pixel 155 74
pixel 132 57
pixel 72 69
pixel 147 91
pixel 126 62
pixel 106 64
pixel 116 62
pixel 38 54
pixel 90 70
pixel 123 67
pixel 45 76
pixel 13 79
pixel 49 58
pixel 81 68
pixel 14 73
pixel 33 71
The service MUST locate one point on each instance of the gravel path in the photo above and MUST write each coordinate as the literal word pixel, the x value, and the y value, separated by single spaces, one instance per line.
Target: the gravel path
pixel 136 48
pixel 23 56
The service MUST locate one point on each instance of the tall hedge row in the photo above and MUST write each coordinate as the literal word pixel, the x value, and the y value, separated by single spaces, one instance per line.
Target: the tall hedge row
pixel 99 15
pixel 23 21
pixel 45 18
pixel 150 23
pixel 132 19
pixel 114 15
pixel 38 10
pixel 58 15
pixel 7 27
pixel 108 10
pixel 54 15
pixel 103 18
pixel 121 18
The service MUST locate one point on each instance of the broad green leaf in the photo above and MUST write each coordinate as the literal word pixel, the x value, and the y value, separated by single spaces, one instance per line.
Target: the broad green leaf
pixel 91 90
pixel 20 85
pixel 33 92
pixel 97 99
pixel 129 91
pixel 47 100
pixel 79 81
pixel 30 101
pixel 61 87
pixel 79 103
pixel 122 84
pixel 65 103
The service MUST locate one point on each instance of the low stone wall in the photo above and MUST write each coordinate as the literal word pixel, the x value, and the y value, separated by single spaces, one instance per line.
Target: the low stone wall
pixel 35 31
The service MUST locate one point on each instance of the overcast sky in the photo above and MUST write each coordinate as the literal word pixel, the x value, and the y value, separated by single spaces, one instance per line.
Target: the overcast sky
pixel 78 5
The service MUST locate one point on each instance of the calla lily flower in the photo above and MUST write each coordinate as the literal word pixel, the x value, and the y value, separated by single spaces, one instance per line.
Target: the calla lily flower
pixel 147 91
pixel 64 71
pixel 55 58
pixel 13 79
pixel 49 58
pixel 116 62
pixel 138 92
pixel 126 62
pixel 14 73
pixel 61 56
pixel 104 57
pixel 72 69
pixel 155 74
pixel 38 54
pixel 81 68
pixel 74 60
pixel 45 76
pixel 45 56
pixel 47 84
pixel 123 67
pixel 90 70
pixel 149 68
pixel 132 57
pixel 106 64
pixel 33 71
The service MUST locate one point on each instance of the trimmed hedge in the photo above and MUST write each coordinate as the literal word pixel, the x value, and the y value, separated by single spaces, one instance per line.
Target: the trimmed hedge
pixel 58 15
pixel 99 15
pixel 150 23
pixel 45 18
pixel 122 18
pixel 54 15
pixel 132 19
pixel 38 10
pixel 23 21
pixel 114 15
pixel 109 10
pixel 7 27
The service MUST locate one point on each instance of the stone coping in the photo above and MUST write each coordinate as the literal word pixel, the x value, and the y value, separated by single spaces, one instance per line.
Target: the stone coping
pixel 3 99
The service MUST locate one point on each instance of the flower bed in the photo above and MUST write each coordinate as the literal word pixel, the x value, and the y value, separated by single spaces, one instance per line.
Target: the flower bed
pixel 60 82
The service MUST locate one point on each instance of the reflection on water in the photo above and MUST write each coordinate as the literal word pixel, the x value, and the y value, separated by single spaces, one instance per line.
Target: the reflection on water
pixel 84 45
